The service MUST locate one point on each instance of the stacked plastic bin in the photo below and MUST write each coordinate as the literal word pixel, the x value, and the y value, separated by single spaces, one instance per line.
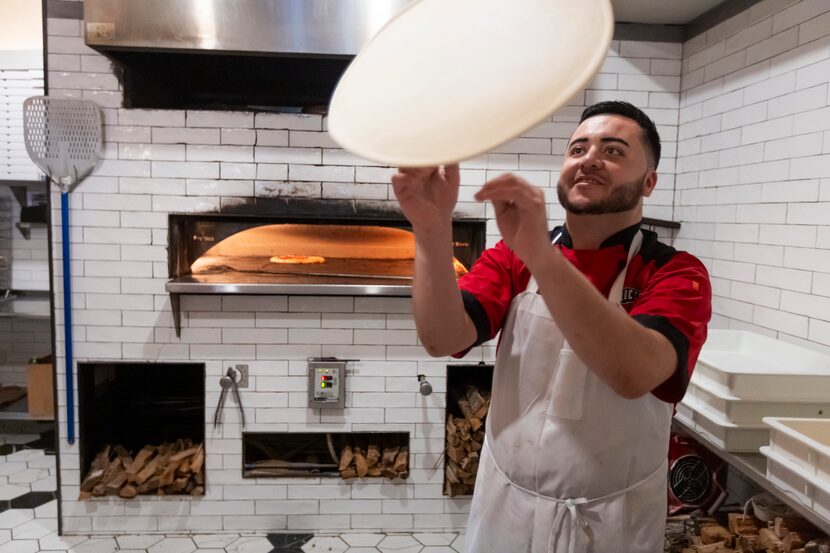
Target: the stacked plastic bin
pixel 742 377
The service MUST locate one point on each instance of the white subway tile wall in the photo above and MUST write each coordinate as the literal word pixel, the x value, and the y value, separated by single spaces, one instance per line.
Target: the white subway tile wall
pixel 190 161
pixel 752 162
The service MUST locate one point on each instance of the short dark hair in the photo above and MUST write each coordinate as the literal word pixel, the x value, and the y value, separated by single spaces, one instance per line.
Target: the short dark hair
pixel 651 137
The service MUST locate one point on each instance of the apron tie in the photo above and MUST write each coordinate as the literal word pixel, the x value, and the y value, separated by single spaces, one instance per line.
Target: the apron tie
pixel 578 521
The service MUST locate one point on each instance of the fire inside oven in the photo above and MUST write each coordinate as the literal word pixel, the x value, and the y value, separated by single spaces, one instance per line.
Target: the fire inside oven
pixel 301 252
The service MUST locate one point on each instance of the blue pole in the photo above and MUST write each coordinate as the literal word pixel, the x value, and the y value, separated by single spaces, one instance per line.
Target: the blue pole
pixel 67 319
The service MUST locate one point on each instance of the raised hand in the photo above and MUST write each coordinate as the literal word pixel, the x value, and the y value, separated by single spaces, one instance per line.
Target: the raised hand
pixel 428 195
pixel 521 215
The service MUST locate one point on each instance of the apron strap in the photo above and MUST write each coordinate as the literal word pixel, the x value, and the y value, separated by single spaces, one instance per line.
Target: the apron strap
pixel 578 521
pixel 615 295
pixel 572 507
pixel 532 285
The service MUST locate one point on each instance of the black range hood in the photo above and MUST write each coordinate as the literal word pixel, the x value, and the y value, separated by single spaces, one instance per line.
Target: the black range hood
pixel 222 81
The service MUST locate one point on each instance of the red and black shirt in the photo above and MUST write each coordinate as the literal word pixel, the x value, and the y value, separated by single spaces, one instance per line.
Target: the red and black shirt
pixel 665 290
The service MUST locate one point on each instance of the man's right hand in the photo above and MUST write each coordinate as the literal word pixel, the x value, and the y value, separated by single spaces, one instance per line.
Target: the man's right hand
pixel 427 195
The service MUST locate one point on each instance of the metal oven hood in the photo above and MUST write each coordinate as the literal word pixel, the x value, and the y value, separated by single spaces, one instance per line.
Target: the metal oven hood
pixel 295 50
pixel 289 27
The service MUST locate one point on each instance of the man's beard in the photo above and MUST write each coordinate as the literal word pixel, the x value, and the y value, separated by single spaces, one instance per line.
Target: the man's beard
pixel 622 198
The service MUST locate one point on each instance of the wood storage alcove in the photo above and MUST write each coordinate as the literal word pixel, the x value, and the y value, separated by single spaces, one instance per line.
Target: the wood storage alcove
pixel 468 401
pixel 344 455
pixel 142 429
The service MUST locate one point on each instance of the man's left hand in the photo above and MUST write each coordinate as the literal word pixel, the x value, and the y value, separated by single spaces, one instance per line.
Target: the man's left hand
pixel 521 215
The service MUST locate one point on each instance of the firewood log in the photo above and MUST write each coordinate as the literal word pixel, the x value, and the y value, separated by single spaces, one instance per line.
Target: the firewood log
pixel 184 454
pixel 168 475
pixel 388 462
pixel 123 454
pixel 451 473
pixel 178 485
pixel 474 398
pixel 114 485
pixel 466 410
pixel 141 459
pixel 746 542
pixel 373 455
pixel 360 462
pixel 101 460
pixel 150 484
pixel 183 469
pixel 198 460
pixel 346 457
pixel 769 541
pixel 401 466
pixel 744 524
pixel 112 469
pixel 457 454
pixel 714 533
pixel 373 459
pixel 92 479
pixel 146 472
pixel 718 547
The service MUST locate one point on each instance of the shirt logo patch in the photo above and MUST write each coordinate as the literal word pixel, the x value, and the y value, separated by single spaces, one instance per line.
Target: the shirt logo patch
pixel 629 295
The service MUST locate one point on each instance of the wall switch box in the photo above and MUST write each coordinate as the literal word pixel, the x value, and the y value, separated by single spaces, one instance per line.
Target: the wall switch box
pixel 326 383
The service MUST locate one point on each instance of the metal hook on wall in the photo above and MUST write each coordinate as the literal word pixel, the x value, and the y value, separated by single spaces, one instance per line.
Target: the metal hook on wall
pixel 425 387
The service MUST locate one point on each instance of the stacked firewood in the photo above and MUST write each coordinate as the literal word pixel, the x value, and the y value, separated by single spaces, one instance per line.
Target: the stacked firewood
pixel 167 469
pixel 747 534
pixel 370 459
pixel 465 437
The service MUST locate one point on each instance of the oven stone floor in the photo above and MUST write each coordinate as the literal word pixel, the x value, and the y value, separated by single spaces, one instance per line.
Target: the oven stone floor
pixel 28 519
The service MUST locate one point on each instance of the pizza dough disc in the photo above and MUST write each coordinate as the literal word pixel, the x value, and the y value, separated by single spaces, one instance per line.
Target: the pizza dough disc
pixel 448 80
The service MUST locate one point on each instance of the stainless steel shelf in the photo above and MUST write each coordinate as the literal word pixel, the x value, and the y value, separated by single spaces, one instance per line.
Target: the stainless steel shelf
pixel 754 467
pixel 178 287
pixel 19 411
pixel 23 307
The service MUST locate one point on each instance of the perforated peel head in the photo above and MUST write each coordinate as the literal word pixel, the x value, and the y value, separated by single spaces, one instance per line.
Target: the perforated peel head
pixel 63 137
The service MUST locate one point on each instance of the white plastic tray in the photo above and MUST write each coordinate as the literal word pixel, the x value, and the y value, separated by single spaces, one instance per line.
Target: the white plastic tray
pixel 724 434
pixel 750 411
pixel 808 489
pixel 748 365
pixel 805 441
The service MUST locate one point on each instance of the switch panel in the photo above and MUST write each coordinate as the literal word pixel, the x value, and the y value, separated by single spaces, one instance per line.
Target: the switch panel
pixel 326 384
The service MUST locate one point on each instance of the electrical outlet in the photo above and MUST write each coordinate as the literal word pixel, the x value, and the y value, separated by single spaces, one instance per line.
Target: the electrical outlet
pixel 242 376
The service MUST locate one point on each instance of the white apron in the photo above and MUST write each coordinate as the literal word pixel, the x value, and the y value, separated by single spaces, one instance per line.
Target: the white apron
pixel 568 465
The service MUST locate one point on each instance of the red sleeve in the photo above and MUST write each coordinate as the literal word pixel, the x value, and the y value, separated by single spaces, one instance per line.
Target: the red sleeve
pixel 677 302
pixel 488 289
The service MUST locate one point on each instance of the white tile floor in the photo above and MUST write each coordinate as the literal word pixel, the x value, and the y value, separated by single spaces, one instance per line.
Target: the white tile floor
pixel 34 530
pixel 204 543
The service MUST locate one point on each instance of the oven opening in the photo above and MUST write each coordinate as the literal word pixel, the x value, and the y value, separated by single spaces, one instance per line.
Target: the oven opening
pixel 298 252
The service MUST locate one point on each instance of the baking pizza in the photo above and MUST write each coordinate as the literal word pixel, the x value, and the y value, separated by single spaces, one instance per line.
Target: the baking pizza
pixel 298 259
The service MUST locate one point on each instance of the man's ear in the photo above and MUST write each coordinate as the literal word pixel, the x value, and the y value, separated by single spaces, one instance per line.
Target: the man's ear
pixel 649 183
